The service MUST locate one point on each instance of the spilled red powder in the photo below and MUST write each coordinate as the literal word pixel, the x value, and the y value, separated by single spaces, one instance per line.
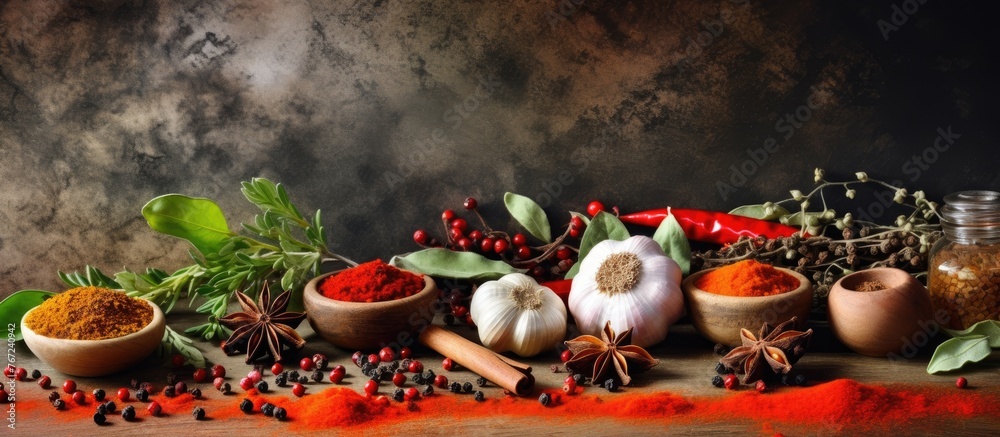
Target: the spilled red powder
pixel 373 281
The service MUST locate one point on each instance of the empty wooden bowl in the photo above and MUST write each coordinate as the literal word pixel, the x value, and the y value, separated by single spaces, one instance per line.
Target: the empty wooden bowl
pixel 883 322
pixel 96 357
pixel 369 325
pixel 719 318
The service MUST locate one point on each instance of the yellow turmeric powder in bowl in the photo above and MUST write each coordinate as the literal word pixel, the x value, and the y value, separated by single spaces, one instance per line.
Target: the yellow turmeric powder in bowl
pixel 90 313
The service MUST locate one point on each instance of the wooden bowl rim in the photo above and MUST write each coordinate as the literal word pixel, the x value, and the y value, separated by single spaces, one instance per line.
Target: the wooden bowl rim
pixel 689 287
pixel 312 290
pixel 159 320
pixel 900 280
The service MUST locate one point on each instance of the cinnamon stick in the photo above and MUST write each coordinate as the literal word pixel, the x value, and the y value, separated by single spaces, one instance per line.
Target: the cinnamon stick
pixel 502 371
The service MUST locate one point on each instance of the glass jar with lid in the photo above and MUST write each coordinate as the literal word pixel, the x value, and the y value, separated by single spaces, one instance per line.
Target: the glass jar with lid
pixel 964 265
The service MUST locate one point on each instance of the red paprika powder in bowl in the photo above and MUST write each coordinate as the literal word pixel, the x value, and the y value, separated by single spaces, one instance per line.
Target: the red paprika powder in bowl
pixel 369 306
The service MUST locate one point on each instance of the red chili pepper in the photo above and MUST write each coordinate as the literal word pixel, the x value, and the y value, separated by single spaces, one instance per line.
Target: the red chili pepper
pixel 561 287
pixel 711 226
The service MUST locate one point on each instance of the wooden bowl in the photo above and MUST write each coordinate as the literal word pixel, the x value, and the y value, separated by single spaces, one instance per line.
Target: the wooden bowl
pixel 369 325
pixel 96 357
pixel 883 322
pixel 719 318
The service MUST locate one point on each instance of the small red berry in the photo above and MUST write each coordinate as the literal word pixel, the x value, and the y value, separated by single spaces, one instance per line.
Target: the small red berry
pixel 373 359
pixel 217 382
pixel 455 234
pixel 298 390
pixel 761 387
pixel 465 244
pixel 441 381
pixel 459 224
pixel 416 367
pixel 200 375
pixel 337 374
pixel 45 382
pixel 357 357
pixel 123 394
pixel 246 383
pixel 575 233
pixel 154 409
pixel 80 398
pixel 411 394
pixel 307 364
pixel 576 222
pixel 320 361
pixel 524 252
pixel 405 353
pixel 961 382
pixel 594 207
pixel 569 378
pixel 371 387
pixel 277 368
pixel 10 370
pixel 468 321
pixel 519 240
pixel 486 245
pixel 218 371
pixel 421 237
pixel 475 235
pixel 569 386
pixel 500 246
pixel 470 203
pixel 386 354
pixel 459 311
pixel 255 376
pixel 177 360
pixel 447 364
pixel 21 374
pixel 538 271
pixel 563 253
pixel 69 386
pixel 398 379
pixel 731 382
pixel 566 355
pixel 447 215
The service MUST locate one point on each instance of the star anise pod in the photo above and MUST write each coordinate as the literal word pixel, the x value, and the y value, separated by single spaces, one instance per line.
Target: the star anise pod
pixel 774 349
pixel 599 355
pixel 267 322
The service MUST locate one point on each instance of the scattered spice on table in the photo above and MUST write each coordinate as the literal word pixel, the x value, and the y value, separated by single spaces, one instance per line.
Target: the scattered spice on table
pixel 373 281
pixel 90 313
pixel 871 286
pixel 747 278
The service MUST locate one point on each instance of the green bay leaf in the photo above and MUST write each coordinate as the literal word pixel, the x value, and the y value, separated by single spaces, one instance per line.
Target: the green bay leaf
pixel 987 328
pixel 956 352
pixel 197 220
pixel 674 243
pixel 602 227
pixel 444 263
pixel 760 212
pixel 529 215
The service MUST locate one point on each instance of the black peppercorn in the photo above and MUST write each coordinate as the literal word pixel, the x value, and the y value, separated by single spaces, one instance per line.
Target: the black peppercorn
pixel 142 395
pixel 398 395
pixel 267 409
pixel 429 376
pixel 428 390
pixel 317 375
pixel 611 385
pixel 196 393
pixel 544 399
pixel 376 375
pixel 99 418
pixel 722 369
pixel 35 374
pixel 101 408
pixel 419 379
pixel 198 413
pixel 367 368
pixel 455 387
pixel 225 388
pixel 467 387
pixel 128 413
pixel 800 380
pixel 110 406
pixel 579 378
pixel 392 366
pixel 99 395
pixel 280 413
pixel 481 381
pixel 720 349
pixel 405 364
pixel 449 319
pixel 303 379
pixel 59 404
pixel 168 391
pixel 262 386
pixel 479 396
pixel 718 381
pixel 280 381
pixel 246 406
pixel 53 396
pixel 787 380
pixel 294 376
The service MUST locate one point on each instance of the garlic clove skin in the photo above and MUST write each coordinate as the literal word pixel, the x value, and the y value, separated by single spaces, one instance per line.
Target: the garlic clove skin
pixel 516 314
pixel 650 306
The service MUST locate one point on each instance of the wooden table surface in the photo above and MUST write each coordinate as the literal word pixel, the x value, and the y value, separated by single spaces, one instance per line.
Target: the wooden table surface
pixel 686 367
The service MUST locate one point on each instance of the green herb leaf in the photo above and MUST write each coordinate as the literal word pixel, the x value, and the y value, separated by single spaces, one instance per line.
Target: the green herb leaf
pixel 760 212
pixel 583 217
pixel 529 215
pixel 675 245
pixel 602 227
pixel 987 328
pixel 956 352
pixel 174 343
pixel 197 220
pixel 15 306
pixel 444 263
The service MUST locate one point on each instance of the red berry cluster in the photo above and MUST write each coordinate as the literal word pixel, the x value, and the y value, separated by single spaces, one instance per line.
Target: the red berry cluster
pixel 547 261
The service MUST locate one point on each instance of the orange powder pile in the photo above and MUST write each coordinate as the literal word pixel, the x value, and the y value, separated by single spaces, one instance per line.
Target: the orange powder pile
pixel 747 278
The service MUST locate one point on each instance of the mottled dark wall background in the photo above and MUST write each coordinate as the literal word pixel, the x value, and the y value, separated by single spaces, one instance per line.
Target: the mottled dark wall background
pixel 107 104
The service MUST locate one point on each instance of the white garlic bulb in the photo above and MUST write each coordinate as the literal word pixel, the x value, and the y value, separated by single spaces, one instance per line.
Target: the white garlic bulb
pixel 630 284
pixel 516 314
